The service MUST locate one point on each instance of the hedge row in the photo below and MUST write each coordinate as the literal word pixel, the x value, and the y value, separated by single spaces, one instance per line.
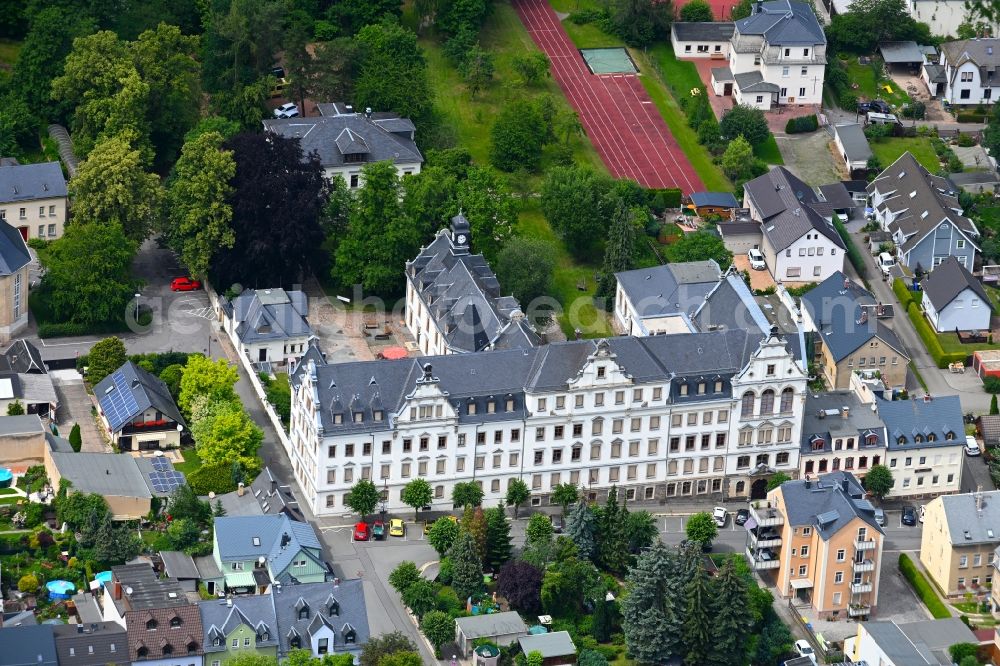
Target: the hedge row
pixel 930 339
pixel 852 251
pixel 923 588
pixel 219 478
pixel 905 295
pixel 802 124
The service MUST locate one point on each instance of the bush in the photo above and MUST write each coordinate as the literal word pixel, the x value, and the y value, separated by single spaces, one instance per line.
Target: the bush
pixel 848 100
pixel 802 124
pixel 955 165
pixel 922 587
pixel 930 339
pixel 991 384
pixel 445 570
pixel 965 140
pixel 585 16
pixel 852 251
pixel 218 478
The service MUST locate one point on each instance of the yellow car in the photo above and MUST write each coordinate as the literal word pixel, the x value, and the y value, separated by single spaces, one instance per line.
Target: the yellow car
pixel 396 527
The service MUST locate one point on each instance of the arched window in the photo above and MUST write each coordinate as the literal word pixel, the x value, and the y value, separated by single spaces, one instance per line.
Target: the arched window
pixel 763 459
pixel 871 440
pixel 786 400
pixel 809 466
pixel 746 410
pixel 767 403
pixel 918 439
pixel 740 487
pixel 931 437
pixel 822 465
pixel 901 440
pixel 949 435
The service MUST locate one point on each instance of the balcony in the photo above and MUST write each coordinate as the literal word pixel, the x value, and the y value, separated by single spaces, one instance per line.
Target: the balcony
pixel 764 538
pixel 859 610
pixel 141 427
pixel 861 567
pixel 865 545
pixel 860 588
pixel 766 516
pixel 762 559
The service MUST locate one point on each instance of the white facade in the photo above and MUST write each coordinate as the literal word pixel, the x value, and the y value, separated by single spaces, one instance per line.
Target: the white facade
pixel 966 312
pixel 965 85
pixel 422 326
pixel 352 174
pixel 926 471
pixel 653 439
pixel 43 218
pixel 812 258
pixel 798 70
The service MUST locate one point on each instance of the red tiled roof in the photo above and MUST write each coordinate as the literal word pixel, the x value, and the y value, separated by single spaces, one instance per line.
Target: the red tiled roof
pixel 154 640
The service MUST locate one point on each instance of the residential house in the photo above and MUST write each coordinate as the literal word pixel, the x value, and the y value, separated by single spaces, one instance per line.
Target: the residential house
pixel 820 539
pixel 22 441
pixel 33 198
pixel 695 412
pixel 169 636
pixel 324 618
pixel 268 326
pixel 800 243
pixel 346 140
pixel 119 477
pixel 712 203
pixel 846 324
pixel 960 536
pixel 136 587
pixel 181 567
pixel 840 432
pixel 969 68
pixel 253 552
pixel 25 378
pixel 500 628
pixel 701 39
pixel 91 644
pixel 922 643
pixel 661 299
pixel 556 647
pixel 266 495
pixel 235 627
pixel 453 303
pixel 136 410
pixel 852 146
pixel 925 442
pixel 14 260
pixel 923 214
pixel 954 300
pixel 28 645
pixel 777 56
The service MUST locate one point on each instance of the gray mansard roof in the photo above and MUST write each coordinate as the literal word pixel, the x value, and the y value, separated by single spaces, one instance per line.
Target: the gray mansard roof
pixel 339 131
pixel 827 503
pixel 783 23
pixel 363 396
pixel 839 415
pixel 786 207
pixel 339 606
pixel 27 182
pixel 670 288
pixel 462 295
pixel 261 315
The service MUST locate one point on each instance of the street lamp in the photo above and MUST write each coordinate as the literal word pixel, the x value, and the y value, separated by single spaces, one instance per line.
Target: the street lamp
pixel 137 295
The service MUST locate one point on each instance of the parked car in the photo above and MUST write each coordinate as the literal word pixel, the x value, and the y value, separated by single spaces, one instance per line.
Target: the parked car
pixel 880 517
pixel 803 649
pixel 396 527
pixel 742 516
pixel 880 106
pixel 920 513
pixel 972 446
pixel 185 284
pixel 720 515
pixel 756 258
pixel 378 530
pixel 909 516
pixel 287 110
pixel 885 262
pixel 361 531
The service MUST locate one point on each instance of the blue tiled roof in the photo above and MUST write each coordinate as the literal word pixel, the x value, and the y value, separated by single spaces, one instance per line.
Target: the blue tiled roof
pixel 236 538
pixel 912 418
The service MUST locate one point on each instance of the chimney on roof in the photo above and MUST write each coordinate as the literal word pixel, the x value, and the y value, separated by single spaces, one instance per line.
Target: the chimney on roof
pixel 240 490
pixel 808 483
pixel 759 7
pixel 845 412
pixel 847 283
pixel 117 590
pixel 368 112
pixel 844 485
pixel 927 397
pixel 979 500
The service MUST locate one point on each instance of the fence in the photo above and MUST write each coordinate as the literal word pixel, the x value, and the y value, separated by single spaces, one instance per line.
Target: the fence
pixel 820 648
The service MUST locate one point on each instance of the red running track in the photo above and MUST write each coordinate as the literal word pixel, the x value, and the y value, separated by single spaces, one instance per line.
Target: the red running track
pixel 615 110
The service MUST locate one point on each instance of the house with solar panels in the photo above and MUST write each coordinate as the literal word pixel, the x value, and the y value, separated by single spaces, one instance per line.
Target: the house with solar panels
pixel 137 411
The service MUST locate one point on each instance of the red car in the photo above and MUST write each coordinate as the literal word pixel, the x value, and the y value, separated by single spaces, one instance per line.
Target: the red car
pixel 185 284
pixel 361 532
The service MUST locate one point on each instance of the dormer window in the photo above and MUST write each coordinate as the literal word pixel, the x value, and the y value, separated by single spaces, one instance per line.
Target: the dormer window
pixel 472 408
pixel 901 440
pixel 168 649
pixel 718 386
pixel 931 437
pixel 217 642
pixel 871 440
pixel 683 389
pixel 949 435
pixel 918 439
pixel 377 414
pixel 510 405
pixel 333 609
pixel 358 416
pixel 338 419
pixel 150 624
pixel 192 647
pixel 701 388
pixel 350 635
pixel 175 621
pixel 491 407
pixel 262 638
pixel 142 651
pixel 304 613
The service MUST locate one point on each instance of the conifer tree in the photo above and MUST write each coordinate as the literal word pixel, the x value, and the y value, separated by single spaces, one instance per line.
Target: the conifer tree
pixel 731 620
pixel 497 537
pixel 618 251
pixel 581 527
pixel 467 568
pixel 613 543
pixel 699 619
pixel 651 628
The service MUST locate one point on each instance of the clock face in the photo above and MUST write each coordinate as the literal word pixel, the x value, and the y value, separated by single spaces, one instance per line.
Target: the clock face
pixel 461 239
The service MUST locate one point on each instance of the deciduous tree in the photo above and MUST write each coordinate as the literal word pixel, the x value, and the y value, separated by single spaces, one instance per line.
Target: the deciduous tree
pixel 105 357
pixel 277 201
pixel 573 201
pixel 878 481
pixel 564 495
pixel 442 534
pixel 362 498
pixel 466 493
pixel 490 209
pixel 378 647
pixel 539 530
pixel 697 11
pixel 746 121
pixel 213 379
pixel 701 528
pixel 776 480
pixel 517 494
pixel 198 209
pixel 87 273
pixel 224 433
pixel 419 597
pixel 112 186
pixel 520 583
pixel 519 133
pixel 417 493
pixel 392 71
pixel 531 67
pixel 403 576
pixel 640 22
pixel 524 267
pixel 438 628
pixel 699 246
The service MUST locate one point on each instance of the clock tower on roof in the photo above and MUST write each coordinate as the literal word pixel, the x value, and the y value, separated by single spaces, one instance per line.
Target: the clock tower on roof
pixel 460 236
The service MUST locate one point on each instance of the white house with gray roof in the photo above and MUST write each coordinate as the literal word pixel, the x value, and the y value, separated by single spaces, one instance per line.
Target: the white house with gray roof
pixel 697 39
pixel 800 243
pixel 923 643
pixel 925 441
pixel 346 140
pixel 33 198
pixel 923 214
pixel 969 69
pixel 324 618
pixel 268 326
pixel 852 145
pixel 955 300
pixel 714 413
pixel 453 299
pixel 777 56
pixel 657 300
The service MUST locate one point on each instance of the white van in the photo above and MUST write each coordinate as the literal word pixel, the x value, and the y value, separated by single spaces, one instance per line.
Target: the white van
pixel 881 118
pixel 885 262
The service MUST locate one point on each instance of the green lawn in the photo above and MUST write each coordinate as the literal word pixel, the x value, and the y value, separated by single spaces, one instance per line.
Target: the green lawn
pixel 888 150
pixel 7 491
pixel 192 461
pixel 768 151
pixel 869 87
